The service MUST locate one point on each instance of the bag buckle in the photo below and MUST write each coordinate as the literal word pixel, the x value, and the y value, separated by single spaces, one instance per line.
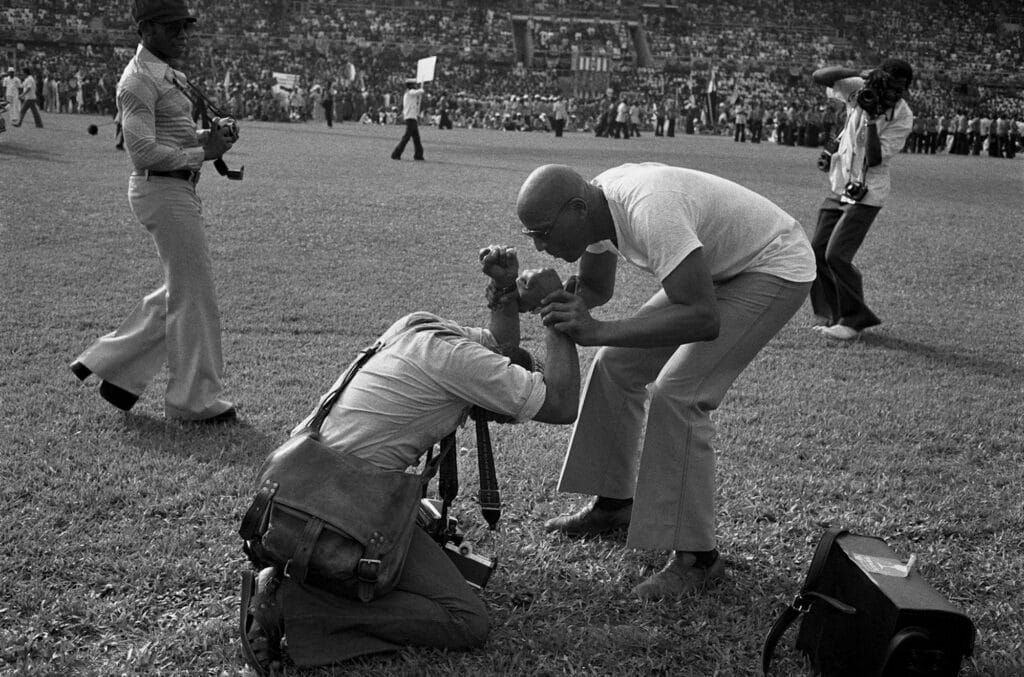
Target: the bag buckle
pixel 367 570
pixel 801 604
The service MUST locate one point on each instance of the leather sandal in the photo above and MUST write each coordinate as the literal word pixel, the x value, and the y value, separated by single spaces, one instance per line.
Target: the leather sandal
pixel 260 626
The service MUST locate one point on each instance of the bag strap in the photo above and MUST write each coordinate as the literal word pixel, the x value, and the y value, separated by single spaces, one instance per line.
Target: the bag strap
pixel 332 397
pixel 801 604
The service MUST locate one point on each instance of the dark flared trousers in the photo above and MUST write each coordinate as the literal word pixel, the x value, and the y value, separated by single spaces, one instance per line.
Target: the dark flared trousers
pixel 838 291
pixel 412 131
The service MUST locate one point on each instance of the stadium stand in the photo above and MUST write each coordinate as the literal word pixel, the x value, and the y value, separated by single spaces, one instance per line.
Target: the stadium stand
pixel 502 63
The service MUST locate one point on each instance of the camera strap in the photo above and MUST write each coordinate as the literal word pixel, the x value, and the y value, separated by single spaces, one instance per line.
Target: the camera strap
pixel 490 497
pixel 448 472
pixel 205 107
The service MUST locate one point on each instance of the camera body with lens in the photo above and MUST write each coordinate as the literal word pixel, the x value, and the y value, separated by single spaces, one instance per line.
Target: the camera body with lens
pixel 825 159
pixel 871 97
pixel 227 124
pixel 855 190
pixel 444 529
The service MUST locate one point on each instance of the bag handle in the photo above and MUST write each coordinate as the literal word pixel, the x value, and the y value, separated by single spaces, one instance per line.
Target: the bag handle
pixel 801 604
pixel 332 397
pixel 901 638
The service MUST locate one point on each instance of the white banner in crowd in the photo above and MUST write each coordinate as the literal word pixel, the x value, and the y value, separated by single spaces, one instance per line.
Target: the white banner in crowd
pixel 425 69
pixel 285 80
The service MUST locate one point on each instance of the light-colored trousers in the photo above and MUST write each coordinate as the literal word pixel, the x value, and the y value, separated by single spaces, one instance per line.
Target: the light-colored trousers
pixel 669 468
pixel 179 323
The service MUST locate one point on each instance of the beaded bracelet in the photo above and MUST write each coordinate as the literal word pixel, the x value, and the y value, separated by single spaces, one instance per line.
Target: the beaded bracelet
pixel 499 297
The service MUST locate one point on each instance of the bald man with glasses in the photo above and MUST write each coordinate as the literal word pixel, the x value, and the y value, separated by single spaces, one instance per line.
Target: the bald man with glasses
pixel 179 323
pixel 733 269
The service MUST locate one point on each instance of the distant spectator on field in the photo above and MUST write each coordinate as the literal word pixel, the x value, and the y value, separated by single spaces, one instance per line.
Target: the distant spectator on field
pixel 412 102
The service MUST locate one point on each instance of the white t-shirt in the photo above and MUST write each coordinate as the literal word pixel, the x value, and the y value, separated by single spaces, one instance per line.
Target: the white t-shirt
pixel 420 387
pixel 663 213
pixel 28 88
pixel 848 162
pixel 411 104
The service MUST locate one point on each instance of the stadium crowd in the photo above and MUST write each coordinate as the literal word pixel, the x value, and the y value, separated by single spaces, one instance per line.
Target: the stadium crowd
pixel 696 66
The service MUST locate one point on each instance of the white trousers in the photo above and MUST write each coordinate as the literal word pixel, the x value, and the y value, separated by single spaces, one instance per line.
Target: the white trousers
pixel 179 323
pixel 644 428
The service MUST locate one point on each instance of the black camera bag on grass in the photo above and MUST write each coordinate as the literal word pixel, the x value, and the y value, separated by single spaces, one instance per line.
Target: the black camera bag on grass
pixel 330 519
pixel 864 613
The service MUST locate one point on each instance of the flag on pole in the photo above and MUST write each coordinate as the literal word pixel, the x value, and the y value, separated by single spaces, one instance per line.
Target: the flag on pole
pixel 713 96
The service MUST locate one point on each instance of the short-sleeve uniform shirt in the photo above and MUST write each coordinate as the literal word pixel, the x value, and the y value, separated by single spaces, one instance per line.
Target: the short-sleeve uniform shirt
pixel 420 387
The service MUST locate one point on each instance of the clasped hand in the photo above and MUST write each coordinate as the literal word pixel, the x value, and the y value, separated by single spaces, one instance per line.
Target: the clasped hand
pixel 568 313
pixel 501 264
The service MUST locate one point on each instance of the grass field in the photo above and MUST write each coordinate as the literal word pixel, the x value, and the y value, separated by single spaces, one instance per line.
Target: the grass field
pixel 119 554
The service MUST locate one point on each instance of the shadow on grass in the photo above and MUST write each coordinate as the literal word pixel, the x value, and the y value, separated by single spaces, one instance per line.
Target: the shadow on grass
pixel 16 150
pixel 232 443
pixel 942 355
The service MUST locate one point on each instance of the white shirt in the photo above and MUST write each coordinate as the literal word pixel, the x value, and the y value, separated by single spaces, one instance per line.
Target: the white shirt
pixel 12 87
pixel 411 104
pixel 28 88
pixel 662 213
pixel 420 387
pixel 848 163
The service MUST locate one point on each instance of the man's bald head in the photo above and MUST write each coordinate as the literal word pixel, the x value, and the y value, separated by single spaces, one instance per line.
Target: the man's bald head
pixel 544 192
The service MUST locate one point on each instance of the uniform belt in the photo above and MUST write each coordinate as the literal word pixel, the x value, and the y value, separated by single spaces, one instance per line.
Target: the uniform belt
pixel 192 176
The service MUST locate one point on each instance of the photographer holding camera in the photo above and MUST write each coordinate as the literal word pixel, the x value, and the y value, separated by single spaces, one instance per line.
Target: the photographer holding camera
pixel 878 122
pixel 179 323
pixel 416 389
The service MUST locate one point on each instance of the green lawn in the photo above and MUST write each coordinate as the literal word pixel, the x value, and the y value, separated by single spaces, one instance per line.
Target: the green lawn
pixel 119 553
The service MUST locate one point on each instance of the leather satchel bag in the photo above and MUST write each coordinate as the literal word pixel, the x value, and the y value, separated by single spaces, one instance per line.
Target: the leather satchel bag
pixel 866 613
pixel 330 519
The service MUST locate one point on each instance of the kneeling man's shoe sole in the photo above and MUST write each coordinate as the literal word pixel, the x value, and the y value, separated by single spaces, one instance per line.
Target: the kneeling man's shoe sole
pixel 260 623
pixel 590 521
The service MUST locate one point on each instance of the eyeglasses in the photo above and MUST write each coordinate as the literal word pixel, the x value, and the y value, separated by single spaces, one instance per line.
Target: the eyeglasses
pixel 542 233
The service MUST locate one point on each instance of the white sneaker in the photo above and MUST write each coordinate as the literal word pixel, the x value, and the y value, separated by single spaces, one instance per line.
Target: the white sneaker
pixel 839 332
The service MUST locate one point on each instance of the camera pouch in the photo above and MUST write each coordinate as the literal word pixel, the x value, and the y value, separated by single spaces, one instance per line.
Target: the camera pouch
pixel 330 519
pixel 865 613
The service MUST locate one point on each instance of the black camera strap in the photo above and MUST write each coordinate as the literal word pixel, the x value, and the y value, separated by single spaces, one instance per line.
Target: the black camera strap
pixel 448 472
pixel 490 497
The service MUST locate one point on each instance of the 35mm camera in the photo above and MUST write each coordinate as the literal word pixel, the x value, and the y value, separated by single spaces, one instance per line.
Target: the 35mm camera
pixel 476 569
pixel 855 190
pixel 825 159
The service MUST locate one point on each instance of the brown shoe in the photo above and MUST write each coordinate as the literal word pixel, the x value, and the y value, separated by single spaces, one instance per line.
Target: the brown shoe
pixel 680 576
pixel 260 624
pixel 591 521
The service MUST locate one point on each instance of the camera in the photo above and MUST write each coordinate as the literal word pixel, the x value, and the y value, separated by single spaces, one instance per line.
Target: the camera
pixel 476 569
pixel 227 124
pixel 855 190
pixel 871 97
pixel 825 159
